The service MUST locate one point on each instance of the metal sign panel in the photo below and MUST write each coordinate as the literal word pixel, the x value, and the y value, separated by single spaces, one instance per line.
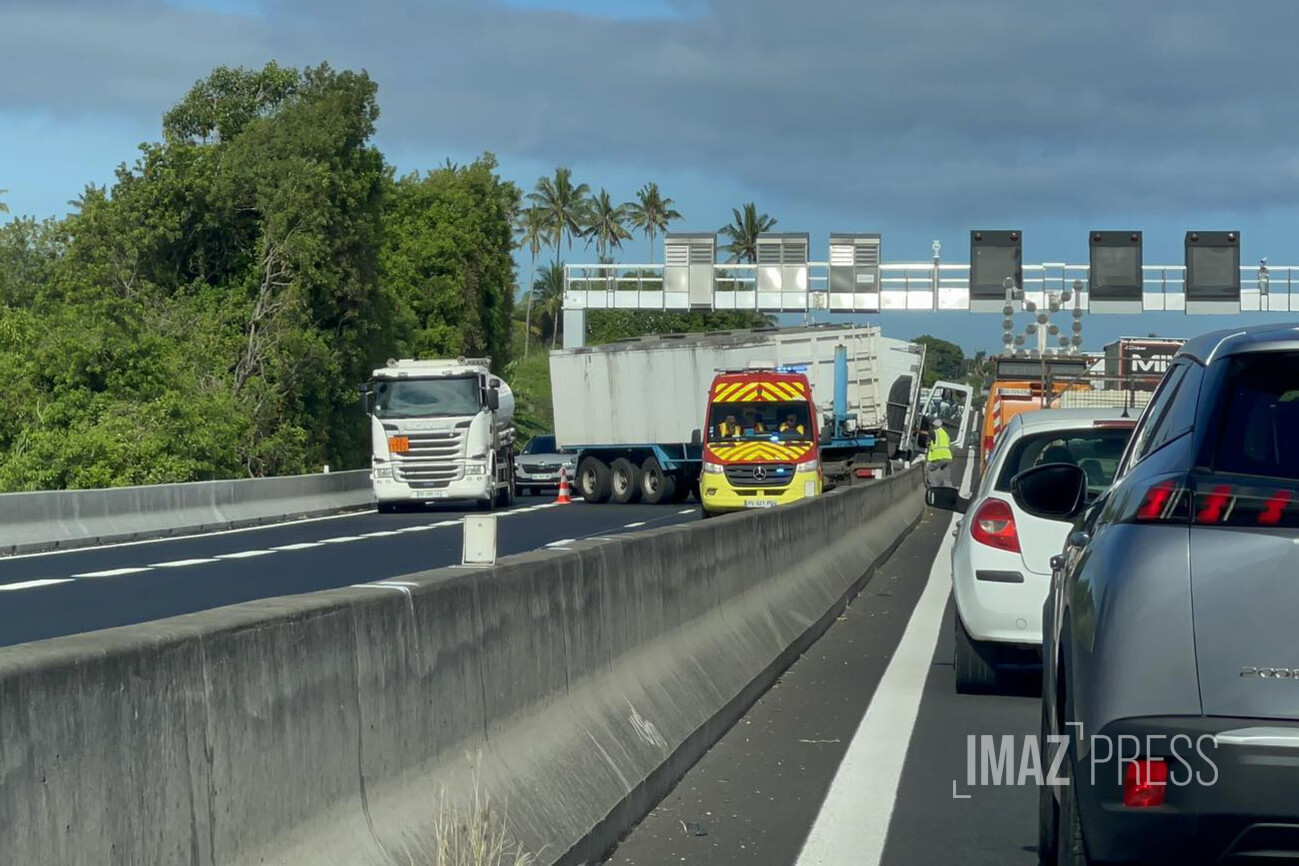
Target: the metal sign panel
pixel 854 271
pixel 1115 278
pixel 994 256
pixel 1212 272
pixel 688 260
pixel 782 267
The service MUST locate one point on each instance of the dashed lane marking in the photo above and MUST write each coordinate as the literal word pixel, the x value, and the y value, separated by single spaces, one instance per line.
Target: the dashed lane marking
pixel 179 563
pixel 634 525
pixel 244 554
pixel 342 539
pixel 302 545
pixel 560 542
pixel 33 584
pixel 112 572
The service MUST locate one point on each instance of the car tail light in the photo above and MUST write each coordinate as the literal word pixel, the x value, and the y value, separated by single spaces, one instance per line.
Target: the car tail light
pixel 988 442
pixel 1212 502
pixel 994 525
pixel 1145 783
pixel 865 473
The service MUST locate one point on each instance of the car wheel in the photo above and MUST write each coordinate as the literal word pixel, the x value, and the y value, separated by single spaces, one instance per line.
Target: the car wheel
pixel 1048 815
pixel 975 672
pixel 656 485
pixel 624 481
pixel 1071 850
pixel 593 480
pixel 389 507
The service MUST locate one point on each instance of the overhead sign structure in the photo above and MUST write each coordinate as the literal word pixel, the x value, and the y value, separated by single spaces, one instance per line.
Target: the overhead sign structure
pixel 1115 280
pixel 1212 272
pixel 783 268
pixel 995 256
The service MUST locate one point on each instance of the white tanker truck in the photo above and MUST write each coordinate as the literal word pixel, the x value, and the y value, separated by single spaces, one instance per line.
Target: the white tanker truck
pixel 441 430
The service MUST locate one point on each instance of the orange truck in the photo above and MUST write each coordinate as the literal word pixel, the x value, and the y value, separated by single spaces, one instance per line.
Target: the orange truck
pixel 1018 386
pixel 760 442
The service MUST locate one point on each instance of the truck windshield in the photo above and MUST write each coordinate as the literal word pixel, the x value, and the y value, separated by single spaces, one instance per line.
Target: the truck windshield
pixel 739 421
pixel 419 398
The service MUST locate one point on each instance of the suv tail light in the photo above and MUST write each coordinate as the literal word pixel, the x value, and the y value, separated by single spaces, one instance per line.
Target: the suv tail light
pixel 994 525
pixel 1145 783
pixel 1217 502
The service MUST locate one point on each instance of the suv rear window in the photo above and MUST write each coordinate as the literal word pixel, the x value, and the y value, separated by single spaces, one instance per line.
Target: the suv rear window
pixel 1096 450
pixel 1260 405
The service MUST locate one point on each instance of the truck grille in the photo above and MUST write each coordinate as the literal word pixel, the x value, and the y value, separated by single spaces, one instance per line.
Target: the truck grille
pixel 413 473
pixel 441 445
pixel 773 475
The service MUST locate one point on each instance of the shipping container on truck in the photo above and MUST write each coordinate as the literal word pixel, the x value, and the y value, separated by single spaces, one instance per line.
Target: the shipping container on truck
pixel 634 410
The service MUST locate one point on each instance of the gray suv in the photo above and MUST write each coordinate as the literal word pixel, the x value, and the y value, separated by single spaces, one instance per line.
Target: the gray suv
pixel 1171 630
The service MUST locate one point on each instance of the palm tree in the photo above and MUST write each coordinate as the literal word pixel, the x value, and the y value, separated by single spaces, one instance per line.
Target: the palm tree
pixel 651 213
pixel 550 289
pixel 531 226
pixel 564 205
pixel 743 232
pixel 607 225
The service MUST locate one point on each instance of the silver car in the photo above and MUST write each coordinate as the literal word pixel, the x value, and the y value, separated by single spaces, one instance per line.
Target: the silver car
pixel 537 466
pixel 1171 630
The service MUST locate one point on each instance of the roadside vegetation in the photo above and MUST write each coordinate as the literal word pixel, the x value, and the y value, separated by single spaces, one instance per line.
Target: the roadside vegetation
pixel 210 313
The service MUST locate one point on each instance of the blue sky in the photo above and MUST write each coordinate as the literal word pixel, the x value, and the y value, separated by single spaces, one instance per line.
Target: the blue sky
pixel 919 120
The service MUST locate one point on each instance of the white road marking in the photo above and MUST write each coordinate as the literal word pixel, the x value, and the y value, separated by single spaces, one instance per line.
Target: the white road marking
pixel 244 554
pixel 634 525
pixel 189 537
pixel 341 539
pixel 853 824
pixel 561 541
pixel 300 546
pixel 687 511
pixel 382 533
pixel 179 563
pixel 112 572
pixel 33 584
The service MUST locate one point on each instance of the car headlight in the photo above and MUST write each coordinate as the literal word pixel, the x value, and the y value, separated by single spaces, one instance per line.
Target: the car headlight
pixel 383 472
pixel 475 469
pixel 713 468
pixel 808 465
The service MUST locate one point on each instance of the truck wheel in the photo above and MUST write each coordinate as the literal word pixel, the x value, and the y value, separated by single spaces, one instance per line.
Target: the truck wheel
pixel 682 488
pixel 593 480
pixel 389 507
pixel 625 481
pixel 656 485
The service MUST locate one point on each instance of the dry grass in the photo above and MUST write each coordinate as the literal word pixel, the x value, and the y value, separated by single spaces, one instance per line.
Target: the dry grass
pixel 473 835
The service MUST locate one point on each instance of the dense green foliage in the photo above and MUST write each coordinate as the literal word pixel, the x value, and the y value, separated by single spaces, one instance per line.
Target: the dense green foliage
pixel 210 313
pixel 943 360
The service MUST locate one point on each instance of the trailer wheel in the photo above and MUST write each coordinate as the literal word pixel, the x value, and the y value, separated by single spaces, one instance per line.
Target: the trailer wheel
pixel 593 480
pixel 656 485
pixel 684 484
pixel 625 481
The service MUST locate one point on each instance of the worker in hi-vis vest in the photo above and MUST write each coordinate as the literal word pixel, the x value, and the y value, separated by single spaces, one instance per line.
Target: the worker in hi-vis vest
pixel 938 457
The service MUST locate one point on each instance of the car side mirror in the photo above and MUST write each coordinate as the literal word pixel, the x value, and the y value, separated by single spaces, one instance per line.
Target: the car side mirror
pixel 826 435
pixel 493 399
pixel 696 437
pixel 1056 491
pixel 365 399
pixel 946 499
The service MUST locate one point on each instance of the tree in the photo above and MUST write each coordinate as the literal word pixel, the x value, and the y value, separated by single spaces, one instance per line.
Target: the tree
pixel 220 106
pixel 943 360
pixel 564 204
pixel 4 208
pixel 743 231
pixel 608 326
pixel 651 213
pixel 549 289
pixel 530 226
pixel 447 260
pixel 607 224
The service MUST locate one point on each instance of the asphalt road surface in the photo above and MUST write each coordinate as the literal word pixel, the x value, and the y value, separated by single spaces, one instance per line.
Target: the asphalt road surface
pixel 53 594
pixel 858 756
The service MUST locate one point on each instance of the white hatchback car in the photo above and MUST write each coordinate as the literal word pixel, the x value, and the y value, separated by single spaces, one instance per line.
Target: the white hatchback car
pixel 1001 561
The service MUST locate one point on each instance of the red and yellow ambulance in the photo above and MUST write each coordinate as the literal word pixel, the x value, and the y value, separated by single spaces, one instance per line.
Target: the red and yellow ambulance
pixel 760 441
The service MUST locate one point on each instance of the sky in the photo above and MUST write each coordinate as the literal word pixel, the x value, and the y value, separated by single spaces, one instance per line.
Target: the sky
pixel 918 119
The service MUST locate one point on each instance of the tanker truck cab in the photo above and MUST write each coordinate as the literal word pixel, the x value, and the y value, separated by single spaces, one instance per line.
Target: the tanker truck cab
pixel 760 445
pixel 440 431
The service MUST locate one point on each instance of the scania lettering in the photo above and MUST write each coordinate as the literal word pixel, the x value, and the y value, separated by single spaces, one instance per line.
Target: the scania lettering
pixel 441 430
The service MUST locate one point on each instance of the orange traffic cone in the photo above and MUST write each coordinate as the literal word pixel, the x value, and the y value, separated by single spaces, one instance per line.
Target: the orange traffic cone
pixel 564 498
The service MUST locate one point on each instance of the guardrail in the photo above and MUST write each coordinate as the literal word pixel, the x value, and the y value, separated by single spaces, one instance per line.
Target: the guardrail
pixel 576 687
pixel 57 519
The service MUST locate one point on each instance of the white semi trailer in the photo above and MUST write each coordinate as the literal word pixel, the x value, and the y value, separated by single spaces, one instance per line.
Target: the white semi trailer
pixel 440 430
pixel 634 410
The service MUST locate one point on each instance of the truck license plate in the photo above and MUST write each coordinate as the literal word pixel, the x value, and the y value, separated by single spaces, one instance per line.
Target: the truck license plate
pixel 430 494
pixel 760 503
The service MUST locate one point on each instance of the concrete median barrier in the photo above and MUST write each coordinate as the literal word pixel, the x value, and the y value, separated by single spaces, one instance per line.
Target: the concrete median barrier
pixel 50 520
pixel 574 686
